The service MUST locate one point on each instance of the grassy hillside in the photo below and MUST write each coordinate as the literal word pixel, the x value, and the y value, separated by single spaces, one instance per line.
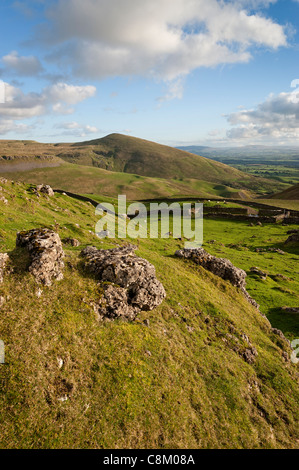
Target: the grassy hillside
pixel 131 155
pixel 119 153
pixel 290 193
pixel 239 242
pixel 86 179
pixel 178 383
pixel 292 204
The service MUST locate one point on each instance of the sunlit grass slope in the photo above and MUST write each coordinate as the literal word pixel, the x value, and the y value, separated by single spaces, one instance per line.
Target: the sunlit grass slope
pixel 291 193
pixel 177 383
pixel 86 179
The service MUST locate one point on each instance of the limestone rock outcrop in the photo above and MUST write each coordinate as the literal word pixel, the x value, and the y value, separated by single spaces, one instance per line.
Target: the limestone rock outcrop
pixel 46 254
pixel 279 333
pixel 71 241
pixel 133 285
pixel 220 267
pixel 3 261
pixel 45 189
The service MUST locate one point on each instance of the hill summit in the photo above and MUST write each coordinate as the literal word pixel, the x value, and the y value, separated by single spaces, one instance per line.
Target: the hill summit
pixel 127 154
pixel 124 158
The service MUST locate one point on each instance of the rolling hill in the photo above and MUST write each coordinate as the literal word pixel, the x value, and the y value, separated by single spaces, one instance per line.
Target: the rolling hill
pixel 91 180
pixel 291 193
pixel 129 155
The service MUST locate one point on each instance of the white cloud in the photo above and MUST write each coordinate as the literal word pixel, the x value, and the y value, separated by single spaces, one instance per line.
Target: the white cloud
pixel 76 129
pixel 175 90
pixel 215 133
pixel 165 39
pixel 18 105
pixel 56 98
pixel 8 125
pixel 277 118
pixel 61 108
pixel 21 65
pixel 69 94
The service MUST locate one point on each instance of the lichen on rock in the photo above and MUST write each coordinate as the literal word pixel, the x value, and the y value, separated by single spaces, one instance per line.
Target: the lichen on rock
pixel 45 189
pixel 221 267
pixel 46 254
pixel 131 282
pixel 71 241
pixel 3 261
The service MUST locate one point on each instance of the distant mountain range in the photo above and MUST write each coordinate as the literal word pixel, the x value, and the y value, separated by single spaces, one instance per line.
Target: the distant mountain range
pixel 248 154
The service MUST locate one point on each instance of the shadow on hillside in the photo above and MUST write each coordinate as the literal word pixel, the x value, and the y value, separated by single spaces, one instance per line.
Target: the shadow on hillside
pixel 79 265
pixel 286 322
pixel 290 248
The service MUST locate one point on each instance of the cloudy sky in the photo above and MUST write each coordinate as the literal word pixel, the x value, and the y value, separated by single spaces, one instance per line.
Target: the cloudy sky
pixel 206 72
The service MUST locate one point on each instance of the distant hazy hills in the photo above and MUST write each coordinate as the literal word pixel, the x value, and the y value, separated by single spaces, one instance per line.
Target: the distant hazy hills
pixel 248 154
pixel 116 154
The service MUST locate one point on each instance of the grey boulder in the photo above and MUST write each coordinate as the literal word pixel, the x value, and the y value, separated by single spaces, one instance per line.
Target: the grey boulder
pixel 133 285
pixel 46 254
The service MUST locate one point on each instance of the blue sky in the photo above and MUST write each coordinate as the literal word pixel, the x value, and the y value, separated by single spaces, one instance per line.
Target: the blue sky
pixel 206 72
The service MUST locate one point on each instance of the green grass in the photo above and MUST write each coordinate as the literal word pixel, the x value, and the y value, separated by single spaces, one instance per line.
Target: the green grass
pixel 84 179
pixel 283 174
pixel 283 203
pixel 238 241
pixel 223 205
pixel 99 182
pixel 193 391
